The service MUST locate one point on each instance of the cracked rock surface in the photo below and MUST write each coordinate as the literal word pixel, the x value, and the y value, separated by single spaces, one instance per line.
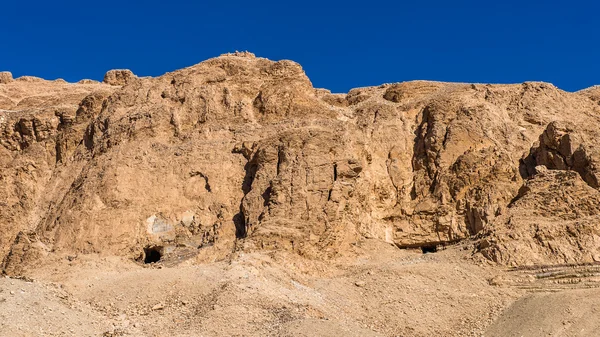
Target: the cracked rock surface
pixel 232 198
pixel 242 153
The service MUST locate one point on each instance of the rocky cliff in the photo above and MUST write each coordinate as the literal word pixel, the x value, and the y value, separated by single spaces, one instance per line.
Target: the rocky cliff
pixel 240 153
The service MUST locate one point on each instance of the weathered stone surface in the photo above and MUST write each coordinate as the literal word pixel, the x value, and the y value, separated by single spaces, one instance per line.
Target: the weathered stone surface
pixel 87 81
pixel 36 119
pixel 29 79
pixel 5 77
pixel 242 153
pixel 567 146
pixel 554 219
pixel 118 77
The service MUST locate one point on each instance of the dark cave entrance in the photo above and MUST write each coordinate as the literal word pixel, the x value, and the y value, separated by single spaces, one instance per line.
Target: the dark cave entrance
pixel 429 249
pixel 152 254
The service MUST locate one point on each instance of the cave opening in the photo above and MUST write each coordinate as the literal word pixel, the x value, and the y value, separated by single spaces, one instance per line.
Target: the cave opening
pixel 429 249
pixel 152 254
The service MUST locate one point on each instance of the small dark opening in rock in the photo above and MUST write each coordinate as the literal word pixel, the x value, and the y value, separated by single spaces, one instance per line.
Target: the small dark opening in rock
pixel 152 254
pixel 429 249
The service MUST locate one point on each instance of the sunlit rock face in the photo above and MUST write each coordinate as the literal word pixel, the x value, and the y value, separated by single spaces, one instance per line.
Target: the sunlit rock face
pixel 242 153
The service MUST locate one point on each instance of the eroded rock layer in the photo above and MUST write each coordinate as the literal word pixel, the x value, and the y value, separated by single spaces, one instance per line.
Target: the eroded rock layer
pixel 242 153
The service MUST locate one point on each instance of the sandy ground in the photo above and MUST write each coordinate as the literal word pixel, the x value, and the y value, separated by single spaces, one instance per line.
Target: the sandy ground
pixel 377 290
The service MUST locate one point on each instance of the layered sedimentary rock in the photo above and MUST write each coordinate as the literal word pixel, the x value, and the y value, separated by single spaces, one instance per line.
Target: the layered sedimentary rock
pixel 242 153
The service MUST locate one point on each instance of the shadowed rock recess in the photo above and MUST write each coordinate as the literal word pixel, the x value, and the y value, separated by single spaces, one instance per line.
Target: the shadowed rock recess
pixel 240 153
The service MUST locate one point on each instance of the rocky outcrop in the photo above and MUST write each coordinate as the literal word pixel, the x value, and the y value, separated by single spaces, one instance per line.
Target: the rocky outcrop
pixel 553 219
pixel 5 77
pixel 118 77
pixel 242 153
pixel 562 147
pixel 87 81
pixel 36 120
pixel 29 79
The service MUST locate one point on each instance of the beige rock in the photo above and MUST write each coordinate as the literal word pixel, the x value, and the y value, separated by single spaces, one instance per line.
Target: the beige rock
pixel 118 77
pixel 240 153
pixel 553 220
pixel 36 129
pixel 87 81
pixel 5 77
pixel 30 79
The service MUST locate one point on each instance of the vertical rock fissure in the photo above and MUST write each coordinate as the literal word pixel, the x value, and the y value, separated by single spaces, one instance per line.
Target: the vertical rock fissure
pixel 335 177
pixel 239 220
pixel 335 174
pixel 279 160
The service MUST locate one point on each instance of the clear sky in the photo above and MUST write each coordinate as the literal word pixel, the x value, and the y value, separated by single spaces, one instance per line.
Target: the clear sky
pixel 340 44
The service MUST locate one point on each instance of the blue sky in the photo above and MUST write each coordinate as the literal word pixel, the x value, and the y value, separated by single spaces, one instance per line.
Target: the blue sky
pixel 340 44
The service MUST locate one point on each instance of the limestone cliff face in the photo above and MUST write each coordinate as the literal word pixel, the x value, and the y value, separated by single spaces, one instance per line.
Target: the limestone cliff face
pixel 242 153
pixel 42 124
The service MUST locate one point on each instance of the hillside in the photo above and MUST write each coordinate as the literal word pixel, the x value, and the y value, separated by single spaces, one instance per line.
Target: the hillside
pixel 236 192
